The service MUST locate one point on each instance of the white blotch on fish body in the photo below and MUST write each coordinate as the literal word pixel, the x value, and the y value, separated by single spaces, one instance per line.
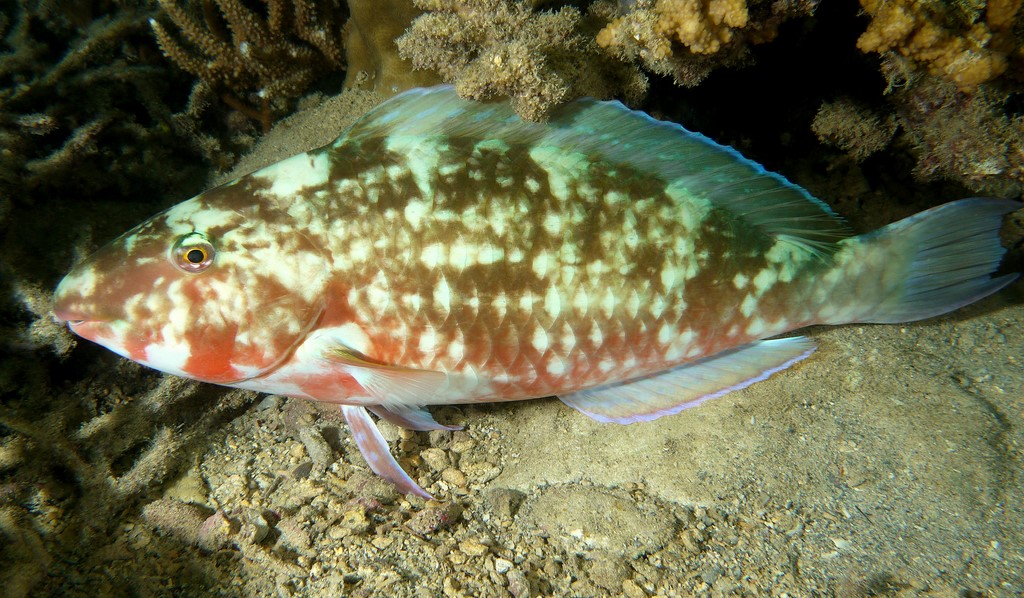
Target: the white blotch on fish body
pixel 168 356
pixel 432 255
pixel 443 297
pixel 552 302
pixel 608 303
pixel 428 342
pixel 756 327
pixel 555 365
pixel 421 158
pixel 542 262
pixel 415 211
pixel 378 293
pixel 580 300
pixel 681 345
pixel 540 340
pixel 765 280
pixel 290 176
pixel 749 305
pixel 489 254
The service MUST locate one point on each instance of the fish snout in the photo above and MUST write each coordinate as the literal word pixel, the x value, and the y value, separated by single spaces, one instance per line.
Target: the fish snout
pixel 71 300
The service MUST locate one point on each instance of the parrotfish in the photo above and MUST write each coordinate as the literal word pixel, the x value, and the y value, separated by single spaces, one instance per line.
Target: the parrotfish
pixel 443 251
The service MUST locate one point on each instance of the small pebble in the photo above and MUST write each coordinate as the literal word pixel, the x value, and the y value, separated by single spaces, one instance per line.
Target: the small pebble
pixel 502 566
pixel 608 572
pixel 254 527
pixel 462 442
pixel 631 590
pixel 711 575
pixel 319 451
pixel 356 520
pixel 692 539
pixel 293 534
pixel 175 518
pixel 436 458
pixel 454 477
pixel 302 470
pixel 473 548
pixel 431 519
pixel 481 471
pixel 518 585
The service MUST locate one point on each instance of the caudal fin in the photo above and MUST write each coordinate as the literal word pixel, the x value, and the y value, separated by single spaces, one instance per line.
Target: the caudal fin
pixel 953 248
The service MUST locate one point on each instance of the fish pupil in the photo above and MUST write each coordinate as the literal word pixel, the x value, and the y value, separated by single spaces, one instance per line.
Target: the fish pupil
pixel 195 256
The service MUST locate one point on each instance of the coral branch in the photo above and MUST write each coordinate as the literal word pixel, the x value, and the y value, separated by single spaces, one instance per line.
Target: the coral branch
pixel 966 52
pixel 687 39
pixel 258 60
pixel 490 48
pixel 701 25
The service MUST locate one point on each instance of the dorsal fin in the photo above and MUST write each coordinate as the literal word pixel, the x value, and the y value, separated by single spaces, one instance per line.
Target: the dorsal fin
pixel 689 163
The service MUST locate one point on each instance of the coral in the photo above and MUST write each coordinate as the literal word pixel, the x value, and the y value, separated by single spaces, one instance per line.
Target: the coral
pixel 967 48
pixel 701 25
pixel 46 140
pixel 85 102
pixel 687 39
pixel 963 137
pixel 853 127
pixel 373 60
pixel 490 48
pixel 258 63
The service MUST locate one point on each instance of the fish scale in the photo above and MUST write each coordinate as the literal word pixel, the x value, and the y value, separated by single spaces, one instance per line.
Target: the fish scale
pixel 444 251
pixel 545 238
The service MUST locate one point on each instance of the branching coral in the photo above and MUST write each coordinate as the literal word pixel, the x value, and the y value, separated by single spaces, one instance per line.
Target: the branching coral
pixel 83 114
pixel 115 102
pixel 944 63
pixel 687 39
pixel 853 127
pixel 701 25
pixel 491 48
pixel 258 63
pixel 964 137
pixel 967 48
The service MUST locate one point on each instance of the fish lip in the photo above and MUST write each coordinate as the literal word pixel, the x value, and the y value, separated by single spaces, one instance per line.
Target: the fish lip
pixel 73 318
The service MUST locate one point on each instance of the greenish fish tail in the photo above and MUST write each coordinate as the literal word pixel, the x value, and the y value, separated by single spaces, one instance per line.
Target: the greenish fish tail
pixel 920 267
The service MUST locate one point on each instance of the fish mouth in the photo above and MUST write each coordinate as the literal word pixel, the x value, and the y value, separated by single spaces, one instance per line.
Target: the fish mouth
pixel 90 329
pixel 78 321
pixel 71 317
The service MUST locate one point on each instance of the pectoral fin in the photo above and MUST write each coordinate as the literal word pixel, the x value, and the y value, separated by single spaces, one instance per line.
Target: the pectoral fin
pixel 389 384
pixel 375 450
pixel 690 384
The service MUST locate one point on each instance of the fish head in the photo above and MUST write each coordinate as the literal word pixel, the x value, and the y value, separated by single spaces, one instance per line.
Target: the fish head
pixel 220 288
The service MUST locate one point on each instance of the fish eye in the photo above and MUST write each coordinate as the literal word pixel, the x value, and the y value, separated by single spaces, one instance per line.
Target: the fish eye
pixel 192 253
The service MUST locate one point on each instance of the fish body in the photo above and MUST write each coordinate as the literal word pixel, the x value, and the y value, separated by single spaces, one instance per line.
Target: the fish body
pixel 443 251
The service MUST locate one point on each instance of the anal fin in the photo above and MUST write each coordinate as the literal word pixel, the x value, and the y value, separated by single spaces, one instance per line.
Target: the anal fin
pixel 690 384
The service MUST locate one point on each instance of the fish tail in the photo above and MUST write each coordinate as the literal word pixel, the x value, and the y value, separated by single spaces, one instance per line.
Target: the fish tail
pixel 923 266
